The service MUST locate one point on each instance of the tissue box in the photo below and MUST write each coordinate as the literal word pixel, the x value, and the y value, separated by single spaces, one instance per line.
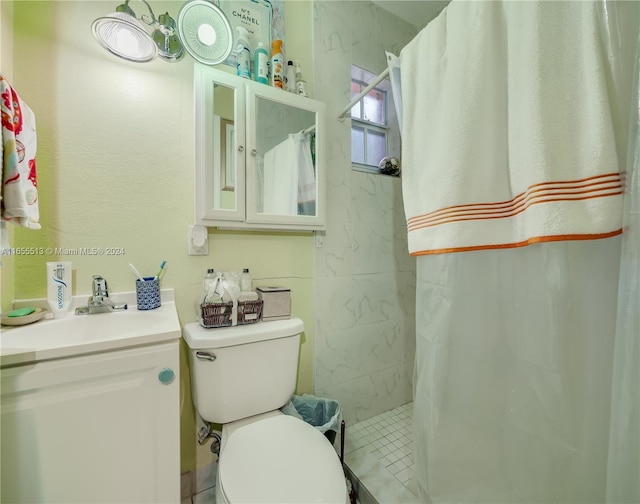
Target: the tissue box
pixel 277 302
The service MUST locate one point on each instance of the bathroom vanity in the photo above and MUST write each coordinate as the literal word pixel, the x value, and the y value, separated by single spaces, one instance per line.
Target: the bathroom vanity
pixel 244 168
pixel 90 408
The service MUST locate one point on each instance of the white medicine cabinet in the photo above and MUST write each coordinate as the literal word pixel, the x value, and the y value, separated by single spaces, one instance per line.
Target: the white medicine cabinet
pixel 259 155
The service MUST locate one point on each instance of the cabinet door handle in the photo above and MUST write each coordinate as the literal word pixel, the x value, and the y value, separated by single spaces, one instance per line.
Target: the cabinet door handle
pixel 206 356
pixel 254 152
pixel 166 376
pixel 240 148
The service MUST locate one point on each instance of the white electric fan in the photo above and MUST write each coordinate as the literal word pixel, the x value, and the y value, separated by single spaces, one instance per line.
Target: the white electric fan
pixel 205 32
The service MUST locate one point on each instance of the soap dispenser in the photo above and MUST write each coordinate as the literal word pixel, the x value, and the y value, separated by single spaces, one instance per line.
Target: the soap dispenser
pixel 208 286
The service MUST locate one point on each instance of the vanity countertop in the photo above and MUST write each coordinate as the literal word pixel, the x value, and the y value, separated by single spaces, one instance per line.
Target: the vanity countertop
pixel 74 334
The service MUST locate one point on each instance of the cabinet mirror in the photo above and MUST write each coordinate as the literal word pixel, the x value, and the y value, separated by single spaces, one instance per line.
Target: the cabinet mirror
pixel 224 148
pixel 286 172
pixel 224 161
pixel 219 112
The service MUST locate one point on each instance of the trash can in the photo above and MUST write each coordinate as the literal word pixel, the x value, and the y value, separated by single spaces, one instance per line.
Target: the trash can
pixel 324 414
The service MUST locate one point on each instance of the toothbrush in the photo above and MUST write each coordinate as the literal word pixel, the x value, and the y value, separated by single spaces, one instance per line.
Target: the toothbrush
pixel 162 265
pixel 135 272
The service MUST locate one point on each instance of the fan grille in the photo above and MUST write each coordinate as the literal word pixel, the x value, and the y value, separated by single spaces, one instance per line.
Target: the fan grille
pixel 191 17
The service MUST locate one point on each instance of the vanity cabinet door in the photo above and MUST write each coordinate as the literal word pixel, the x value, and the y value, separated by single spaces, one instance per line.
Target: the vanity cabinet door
pixel 220 146
pixel 95 428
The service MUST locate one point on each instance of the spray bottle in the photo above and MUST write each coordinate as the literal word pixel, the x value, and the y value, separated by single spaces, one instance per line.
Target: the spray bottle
pixel 301 84
pixel 277 64
pixel 243 53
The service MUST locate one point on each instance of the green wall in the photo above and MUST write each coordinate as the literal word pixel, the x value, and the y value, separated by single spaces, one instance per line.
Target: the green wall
pixel 115 167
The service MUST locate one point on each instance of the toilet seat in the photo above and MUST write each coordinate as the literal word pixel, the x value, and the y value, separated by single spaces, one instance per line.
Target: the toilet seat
pixel 280 459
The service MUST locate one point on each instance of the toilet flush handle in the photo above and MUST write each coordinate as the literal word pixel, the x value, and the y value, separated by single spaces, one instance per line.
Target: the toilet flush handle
pixel 206 356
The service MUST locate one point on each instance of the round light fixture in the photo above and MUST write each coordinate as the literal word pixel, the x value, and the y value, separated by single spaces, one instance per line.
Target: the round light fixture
pixel 121 34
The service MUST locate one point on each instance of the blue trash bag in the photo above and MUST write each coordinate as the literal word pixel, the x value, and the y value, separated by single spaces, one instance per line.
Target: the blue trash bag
pixel 324 414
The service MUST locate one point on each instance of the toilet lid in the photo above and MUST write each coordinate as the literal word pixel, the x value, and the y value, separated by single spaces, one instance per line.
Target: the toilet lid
pixel 281 459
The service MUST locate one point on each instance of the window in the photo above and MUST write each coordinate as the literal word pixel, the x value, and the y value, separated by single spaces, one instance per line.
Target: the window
pixel 374 130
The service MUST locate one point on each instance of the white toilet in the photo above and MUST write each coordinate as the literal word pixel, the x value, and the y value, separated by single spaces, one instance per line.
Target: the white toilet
pixel 240 377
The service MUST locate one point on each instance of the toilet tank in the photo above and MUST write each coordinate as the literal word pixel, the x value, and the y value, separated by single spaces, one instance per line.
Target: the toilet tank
pixel 241 371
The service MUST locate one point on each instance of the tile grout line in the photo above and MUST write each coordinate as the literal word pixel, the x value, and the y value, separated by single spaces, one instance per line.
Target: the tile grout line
pixel 389 436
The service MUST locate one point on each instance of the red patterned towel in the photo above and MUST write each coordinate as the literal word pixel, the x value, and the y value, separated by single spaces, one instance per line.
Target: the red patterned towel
pixel 19 187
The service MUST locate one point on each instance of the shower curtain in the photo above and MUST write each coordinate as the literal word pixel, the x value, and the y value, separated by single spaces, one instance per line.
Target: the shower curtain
pixel 527 377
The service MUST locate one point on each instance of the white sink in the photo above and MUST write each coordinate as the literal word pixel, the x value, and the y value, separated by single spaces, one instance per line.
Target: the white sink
pixel 80 334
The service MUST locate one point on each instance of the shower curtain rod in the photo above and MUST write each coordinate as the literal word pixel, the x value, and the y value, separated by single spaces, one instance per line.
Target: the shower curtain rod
pixel 309 129
pixel 362 93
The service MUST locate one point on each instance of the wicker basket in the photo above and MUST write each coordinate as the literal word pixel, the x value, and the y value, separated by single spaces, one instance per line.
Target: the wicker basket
pixel 219 314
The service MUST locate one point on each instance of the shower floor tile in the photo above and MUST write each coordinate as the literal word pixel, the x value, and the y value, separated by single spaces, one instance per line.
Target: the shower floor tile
pixel 379 451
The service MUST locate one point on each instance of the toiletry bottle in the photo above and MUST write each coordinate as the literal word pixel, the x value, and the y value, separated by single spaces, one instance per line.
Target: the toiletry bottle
pixel 277 64
pixel 301 84
pixel 208 285
pixel 59 287
pixel 245 280
pixel 243 53
pixel 291 77
pixel 261 64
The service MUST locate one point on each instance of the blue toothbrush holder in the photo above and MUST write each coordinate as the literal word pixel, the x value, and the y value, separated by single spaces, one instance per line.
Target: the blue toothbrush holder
pixel 148 293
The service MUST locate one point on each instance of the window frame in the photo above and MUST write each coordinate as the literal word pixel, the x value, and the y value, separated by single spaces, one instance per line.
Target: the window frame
pixel 367 125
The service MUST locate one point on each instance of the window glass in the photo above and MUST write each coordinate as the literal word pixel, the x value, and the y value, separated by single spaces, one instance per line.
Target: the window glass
pixel 356 110
pixel 357 144
pixel 376 147
pixel 374 105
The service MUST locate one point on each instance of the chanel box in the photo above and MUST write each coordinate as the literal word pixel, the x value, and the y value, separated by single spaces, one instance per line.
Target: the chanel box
pixel 277 302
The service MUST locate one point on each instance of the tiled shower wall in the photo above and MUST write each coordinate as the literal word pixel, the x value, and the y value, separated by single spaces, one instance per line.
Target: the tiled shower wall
pixel 364 278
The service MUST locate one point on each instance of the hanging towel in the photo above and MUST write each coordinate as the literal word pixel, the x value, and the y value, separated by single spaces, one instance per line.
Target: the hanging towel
pixel 289 178
pixel 508 136
pixel 19 187
pixel 306 173
pixel 281 180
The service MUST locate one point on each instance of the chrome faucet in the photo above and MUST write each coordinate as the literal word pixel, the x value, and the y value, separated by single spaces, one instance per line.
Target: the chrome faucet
pixel 99 287
pixel 100 302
